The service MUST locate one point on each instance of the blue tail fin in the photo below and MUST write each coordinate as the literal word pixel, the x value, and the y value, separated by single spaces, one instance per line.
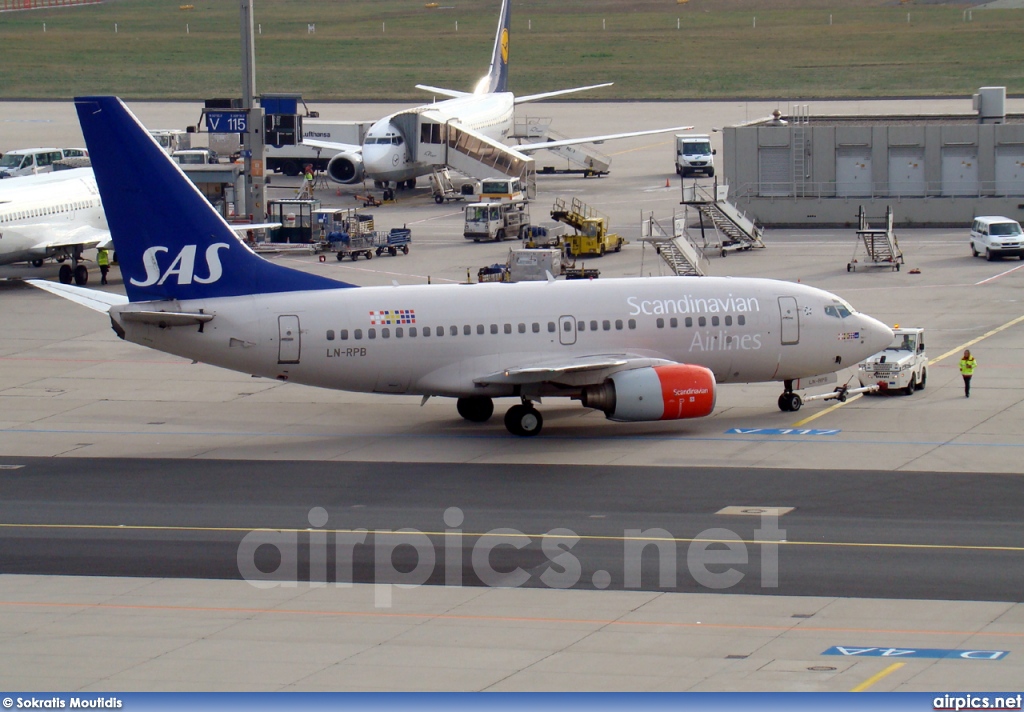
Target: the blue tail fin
pixel 170 242
pixel 497 77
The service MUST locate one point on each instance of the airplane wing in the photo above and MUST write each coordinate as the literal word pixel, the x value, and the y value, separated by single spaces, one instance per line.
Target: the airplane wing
pixel 331 145
pixel 578 371
pixel 91 298
pixel 242 227
pixel 529 147
pixel 21 183
pixel 549 94
pixel 54 236
pixel 443 92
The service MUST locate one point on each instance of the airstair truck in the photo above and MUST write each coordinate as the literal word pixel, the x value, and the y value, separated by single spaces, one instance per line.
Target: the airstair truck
pixel 903 366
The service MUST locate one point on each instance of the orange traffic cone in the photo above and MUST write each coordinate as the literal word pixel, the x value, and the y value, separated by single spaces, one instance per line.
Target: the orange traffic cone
pixel 667 183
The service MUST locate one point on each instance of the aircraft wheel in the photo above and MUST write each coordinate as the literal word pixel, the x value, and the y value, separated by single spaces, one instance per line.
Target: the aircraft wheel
pixel 790 402
pixel 65 275
pixel 37 263
pixel 81 275
pixel 523 420
pixel 439 199
pixel 477 409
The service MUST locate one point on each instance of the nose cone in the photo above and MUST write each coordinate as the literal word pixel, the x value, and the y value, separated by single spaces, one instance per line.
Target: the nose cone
pixel 875 334
pixel 377 158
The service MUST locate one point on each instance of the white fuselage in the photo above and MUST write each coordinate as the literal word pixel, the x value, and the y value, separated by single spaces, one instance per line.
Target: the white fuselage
pixel 384 160
pixel 374 339
pixel 39 212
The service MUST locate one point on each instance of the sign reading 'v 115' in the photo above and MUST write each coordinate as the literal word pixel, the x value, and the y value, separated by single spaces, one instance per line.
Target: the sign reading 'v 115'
pixel 226 122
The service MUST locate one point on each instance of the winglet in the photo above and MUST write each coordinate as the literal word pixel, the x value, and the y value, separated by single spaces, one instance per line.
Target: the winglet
pixel 170 242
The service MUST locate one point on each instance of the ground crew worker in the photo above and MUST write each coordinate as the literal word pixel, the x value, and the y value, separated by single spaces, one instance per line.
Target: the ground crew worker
pixel 308 175
pixel 103 260
pixel 967 366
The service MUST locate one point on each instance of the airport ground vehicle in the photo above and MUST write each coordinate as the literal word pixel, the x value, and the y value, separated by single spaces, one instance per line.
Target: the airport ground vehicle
pixel 995 237
pixel 591 235
pixel 30 161
pixel 694 155
pixel 903 365
pixel 195 156
pixel 496 221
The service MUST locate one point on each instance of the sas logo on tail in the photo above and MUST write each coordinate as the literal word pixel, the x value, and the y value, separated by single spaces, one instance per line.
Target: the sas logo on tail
pixel 183 267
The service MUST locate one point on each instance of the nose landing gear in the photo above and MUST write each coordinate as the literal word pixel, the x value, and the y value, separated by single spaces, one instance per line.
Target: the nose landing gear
pixel 524 420
pixel 789 402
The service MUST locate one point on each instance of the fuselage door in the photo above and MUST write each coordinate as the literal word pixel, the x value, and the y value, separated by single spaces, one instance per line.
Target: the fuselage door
pixel 790 320
pixel 567 330
pixel 289 340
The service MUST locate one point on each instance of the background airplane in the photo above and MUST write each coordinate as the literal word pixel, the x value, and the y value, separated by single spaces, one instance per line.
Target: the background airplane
pixel 485 116
pixel 56 215
pixel 637 349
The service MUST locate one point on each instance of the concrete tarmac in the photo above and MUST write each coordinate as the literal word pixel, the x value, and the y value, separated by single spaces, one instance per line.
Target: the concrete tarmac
pixel 70 389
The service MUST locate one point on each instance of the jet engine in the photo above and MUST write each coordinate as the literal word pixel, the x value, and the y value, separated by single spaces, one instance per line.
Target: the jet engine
pixel 346 168
pixel 654 393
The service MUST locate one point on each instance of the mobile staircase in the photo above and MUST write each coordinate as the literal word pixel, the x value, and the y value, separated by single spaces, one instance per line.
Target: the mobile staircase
pixel 881 248
pixel 734 229
pixel 684 257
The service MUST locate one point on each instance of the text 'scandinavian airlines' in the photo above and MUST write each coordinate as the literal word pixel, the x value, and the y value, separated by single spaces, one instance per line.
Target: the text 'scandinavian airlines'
pixel 636 349
pixel 485 115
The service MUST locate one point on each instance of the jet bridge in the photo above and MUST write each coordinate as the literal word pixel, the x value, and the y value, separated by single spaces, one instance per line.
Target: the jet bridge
pixel 434 141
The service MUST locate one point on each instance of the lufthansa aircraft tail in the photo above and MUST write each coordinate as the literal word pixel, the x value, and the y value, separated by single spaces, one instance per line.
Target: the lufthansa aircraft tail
pixel 496 80
pixel 170 242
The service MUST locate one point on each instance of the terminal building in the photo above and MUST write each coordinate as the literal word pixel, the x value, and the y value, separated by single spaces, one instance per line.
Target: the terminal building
pixel 932 170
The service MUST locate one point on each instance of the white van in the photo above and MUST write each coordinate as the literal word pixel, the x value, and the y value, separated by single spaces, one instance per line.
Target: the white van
pixel 694 155
pixel 995 237
pixel 29 161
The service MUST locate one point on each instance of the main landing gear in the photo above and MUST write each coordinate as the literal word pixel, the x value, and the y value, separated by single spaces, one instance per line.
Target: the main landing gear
pixel 789 402
pixel 522 419
pixel 74 271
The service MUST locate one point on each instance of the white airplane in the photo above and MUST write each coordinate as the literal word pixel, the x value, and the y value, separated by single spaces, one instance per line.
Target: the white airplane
pixel 485 115
pixel 55 214
pixel 638 349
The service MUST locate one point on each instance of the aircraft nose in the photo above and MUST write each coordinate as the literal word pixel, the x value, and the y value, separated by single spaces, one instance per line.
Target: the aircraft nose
pixel 876 334
pixel 375 158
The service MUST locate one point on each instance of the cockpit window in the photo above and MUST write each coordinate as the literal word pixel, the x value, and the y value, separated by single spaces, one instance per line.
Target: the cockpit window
pixel 837 310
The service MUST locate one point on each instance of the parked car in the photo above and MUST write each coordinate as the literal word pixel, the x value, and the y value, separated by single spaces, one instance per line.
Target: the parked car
pixel 996 237
pixel 195 157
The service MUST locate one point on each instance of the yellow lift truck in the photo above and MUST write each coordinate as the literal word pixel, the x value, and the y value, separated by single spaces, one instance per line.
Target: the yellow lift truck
pixel 591 229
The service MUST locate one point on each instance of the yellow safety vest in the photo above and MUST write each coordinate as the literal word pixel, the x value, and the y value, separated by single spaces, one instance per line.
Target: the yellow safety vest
pixel 102 258
pixel 967 366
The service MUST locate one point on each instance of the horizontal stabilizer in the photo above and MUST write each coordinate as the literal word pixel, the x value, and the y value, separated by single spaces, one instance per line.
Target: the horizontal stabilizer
pixel 529 147
pixel 443 92
pixel 92 298
pixel 560 92
pixel 164 319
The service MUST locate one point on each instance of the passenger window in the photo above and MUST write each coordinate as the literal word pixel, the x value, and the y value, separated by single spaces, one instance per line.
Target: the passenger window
pixel 412 332
pixel 439 331
pixel 371 333
pixel 741 320
pixel 632 323
pixel 385 333
pixel 660 323
pixel 467 330
pixel 689 322
pixel 580 326
pixel 508 328
pixel 522 328
pixel 607 325
pixel 701 321
pixel 536 328
pixel 714 321
pixel 728 321
pixel 494 328
pixel 551 327
pixel 618 324
pixel 454 330
pixel 673 322
pixel 330 334
pixel 359 334
pixel 480 329
pixel 426 331
pixel 399 331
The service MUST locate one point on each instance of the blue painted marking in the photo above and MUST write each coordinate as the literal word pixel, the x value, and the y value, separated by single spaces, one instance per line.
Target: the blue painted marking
pixel 944 653
pixel 781 431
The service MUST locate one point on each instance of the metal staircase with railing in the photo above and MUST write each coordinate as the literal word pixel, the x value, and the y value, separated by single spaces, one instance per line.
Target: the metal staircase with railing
pixel 684 257
pixel 735 230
